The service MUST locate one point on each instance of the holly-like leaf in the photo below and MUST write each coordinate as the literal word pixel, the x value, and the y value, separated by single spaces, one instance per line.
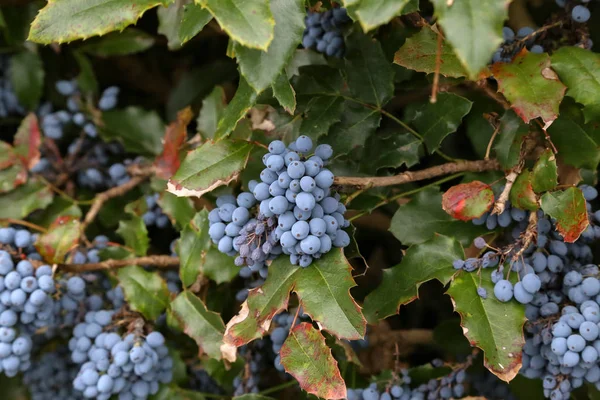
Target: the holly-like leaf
pixel 493 326
pixel 62 235
pixel 438 120
pixel 139 130
pixel 180 22
pixel 468 201
pixel 27 78
pixel 209 166
pixel 67 20
pixel 193 245
pixel 522 195
pixel 373 13
pixel 370 74
pixel 575 142
pixel 544 176
pixel 419 54
pixel 530 85
pixel 473 28
pixel 168 162
pixel 248 22
pixel 146 292
pixel 27 141
pixel 261 68
pixel 392 151
pixel 179 209
pixel 18 203
pixel 219 266
pixel 510 138
pixel 324 293
pixel 569 210
pixel 418 221
pixel 400 284
pixel 306 357
pixel 130 41
pixel 212 109
pixel 199 323
pixel 351 133
pixel 244 99
pixel 284 93
pixel 135 234
pixel 578 69
pixel 321 113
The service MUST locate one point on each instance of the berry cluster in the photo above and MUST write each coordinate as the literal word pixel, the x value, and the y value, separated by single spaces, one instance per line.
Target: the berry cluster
pixel 155 216
pixel 324 32
pixel 51 376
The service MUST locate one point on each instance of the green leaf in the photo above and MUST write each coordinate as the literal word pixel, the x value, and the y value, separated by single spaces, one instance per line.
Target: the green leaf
pixel 473 28
pixel 146 292
pixel 493 326
pixel 244 99
pixel 438 120
pixel 369 73
pixel 306 357
pixel 569 209
pixel 204 326
pixel 530 85
pixel 62 235
pixel 522 195
pixel 177 393
pixel 544 175
pixel 320 114
pixel 252 396
pixel 219 266
pixel 373 13
pixel 467 201
pixel 180 22
pixel 400 284
pixel 578 69
pixel 575 142
pixel 195 18
pixel 193 245
pixel 86 80
pixel 419 54
pixel 135 234
pixel 209 166
pixel 34 195
pixel 139 130
pixel 179 209
pixel 261 68
pixel 284 93
pixel 324 293
pixel 393 151
pixel 129 41
pixel 248 22
pixel 11 177
pixel 357 124
pixel 510 138
pixel 59 207
pixel 67 20
pixel 27 78
pixel 418 221
pixel 212 110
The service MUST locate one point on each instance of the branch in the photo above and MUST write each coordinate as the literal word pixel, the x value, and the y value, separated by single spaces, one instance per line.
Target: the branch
pixel 160 261
pixel 428 173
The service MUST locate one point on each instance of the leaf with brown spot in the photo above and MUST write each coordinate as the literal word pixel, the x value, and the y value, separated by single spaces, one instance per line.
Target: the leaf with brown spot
pixel 522 195
pixel 468 201
pixel 569 210
pixel 167 163
pixel 28 140
pixel 62 236
pixel 306 357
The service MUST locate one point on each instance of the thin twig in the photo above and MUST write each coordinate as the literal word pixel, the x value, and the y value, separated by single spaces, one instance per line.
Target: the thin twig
pixel 414 176
pixel 160 261
pixel 295 317
pixel 23 223
pixel 510 181
pixel 489 146
pixel 438 64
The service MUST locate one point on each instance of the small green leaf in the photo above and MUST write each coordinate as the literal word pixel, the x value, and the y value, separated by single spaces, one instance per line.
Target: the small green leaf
pixel 284 93
pixel 569 210
pixel 400 284
pixel 438 120
pixel 176 393
pixel 180 22
pixel 199 323
pixel 510 138
pixel 578 69
pixel 219 266
pixel 139 130
pixel 575 142
pixel 530 85
pixel 370 74
pixel 212 109
pixel 67 20
pixel 522 195
pixel 179 209
pixel 473 28
pixel 244 99
pixel 146 292
pixel 195 18
pixel 261 68
pixel 193 245
pixel 27 78
pixel 493 326
pixel 306 357
pixel 86 80
pixel 357 124
pixel 34 195
pixel 393 151
pixel 209 166
pixel 419 53
pixel 129 41
pixel 373 13
pixel 135 234
pixel 544 176
pixel 62 235
pixel 467 201
pixel 418 221
pixel 248 22
pixel 321 113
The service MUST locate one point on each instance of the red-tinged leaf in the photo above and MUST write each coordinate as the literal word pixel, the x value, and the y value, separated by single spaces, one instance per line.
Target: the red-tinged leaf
pixel 306 357
pixel 11 177
pixel 530 85
pixel 168 162
pixel 62 235
pixel 569 210
pixel 522 195
pixel 7 155
pixel 468 201
pixel 28 140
